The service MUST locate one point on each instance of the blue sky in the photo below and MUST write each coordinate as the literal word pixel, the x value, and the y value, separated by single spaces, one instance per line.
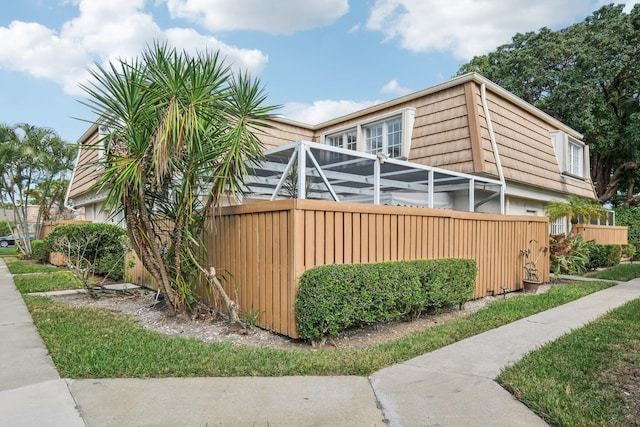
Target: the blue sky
pixel 317 58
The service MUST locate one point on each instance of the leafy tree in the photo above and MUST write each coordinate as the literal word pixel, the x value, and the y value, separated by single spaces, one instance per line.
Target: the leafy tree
pixel 180 129
pixel 575 209
pixel 30 157
pixel 587 75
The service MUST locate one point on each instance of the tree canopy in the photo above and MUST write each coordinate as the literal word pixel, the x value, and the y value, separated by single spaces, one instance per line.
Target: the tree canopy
pixel 179 133
pixel 33 160
pixel 588 76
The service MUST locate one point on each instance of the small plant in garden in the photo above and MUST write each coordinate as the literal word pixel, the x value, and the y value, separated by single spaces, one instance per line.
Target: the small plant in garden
pixel 90 250
pixel 530 264
pixel 251 317
pixel 569 255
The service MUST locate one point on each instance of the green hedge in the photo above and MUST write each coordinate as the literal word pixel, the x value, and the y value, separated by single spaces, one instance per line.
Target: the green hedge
pixel 101 244
pixel 39 251
pixel 605 255
pixel 333 298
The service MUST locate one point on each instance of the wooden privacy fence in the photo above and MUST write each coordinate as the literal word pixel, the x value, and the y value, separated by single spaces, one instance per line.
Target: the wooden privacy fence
pixel 603 234
pixel 263 248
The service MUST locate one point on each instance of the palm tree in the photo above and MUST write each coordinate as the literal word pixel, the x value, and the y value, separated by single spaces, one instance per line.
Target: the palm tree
pixel 180 134
pixel 30 157
pixel 575 208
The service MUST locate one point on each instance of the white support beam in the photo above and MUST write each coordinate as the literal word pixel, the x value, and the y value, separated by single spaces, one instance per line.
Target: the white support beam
pixel 472 195
pixel 322 175
pixel 302 171
pixel 376 182
pixel 431 185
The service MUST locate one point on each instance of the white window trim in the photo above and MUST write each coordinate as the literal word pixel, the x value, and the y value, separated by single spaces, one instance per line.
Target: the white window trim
pixel 561 144
pixel 407 116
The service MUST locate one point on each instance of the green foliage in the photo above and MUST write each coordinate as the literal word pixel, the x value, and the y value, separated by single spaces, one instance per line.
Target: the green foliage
pixel 35 161
pixel 179 138
pixel 18 266
pixel 98 245
pixel 568 255
pixel 575 209
pixel 530 258
pixel 636 252
pixel 583 378
pixel 597 255
pixel 87 343
pixel 39 251
pixel 5 228
pixel 628 251
pixel 629 217
pixel 620 272
pixel 332 298
pixel 612 255
pixel 47 281
pixel 587 75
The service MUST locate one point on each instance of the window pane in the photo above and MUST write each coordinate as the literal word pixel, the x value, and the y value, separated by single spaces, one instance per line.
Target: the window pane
pixel 576 156
pixel 373 138
pixel 394 137
pixel 351 140
pixel 334 140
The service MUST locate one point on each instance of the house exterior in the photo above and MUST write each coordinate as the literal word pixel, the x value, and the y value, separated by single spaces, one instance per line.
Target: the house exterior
pixel 467 131
pixel 465 125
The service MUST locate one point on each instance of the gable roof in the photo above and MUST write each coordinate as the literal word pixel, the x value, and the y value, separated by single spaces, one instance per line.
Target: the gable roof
pixel 451 130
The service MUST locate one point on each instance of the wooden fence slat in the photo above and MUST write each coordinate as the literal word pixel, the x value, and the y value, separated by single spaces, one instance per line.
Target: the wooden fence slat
pixel 265 247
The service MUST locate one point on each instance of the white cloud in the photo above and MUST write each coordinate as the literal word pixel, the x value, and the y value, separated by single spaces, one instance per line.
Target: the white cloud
pixel 394 88
pixel 275 17
pixel 470 27
pixel 191 41
pixel 102 31
pixel 321 111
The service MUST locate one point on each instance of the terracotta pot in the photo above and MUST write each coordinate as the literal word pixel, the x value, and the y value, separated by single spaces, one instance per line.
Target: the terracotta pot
pixel 530 285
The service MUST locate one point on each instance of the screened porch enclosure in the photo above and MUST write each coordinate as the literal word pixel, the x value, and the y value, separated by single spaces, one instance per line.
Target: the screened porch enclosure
pixel 341 175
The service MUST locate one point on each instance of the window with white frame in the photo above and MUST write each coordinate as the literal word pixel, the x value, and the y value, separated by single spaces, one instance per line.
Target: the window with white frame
pixel 384 136
pixel 575 158
pixel 559 226
pixel 347 139
pixel 389 133
pixel 572 154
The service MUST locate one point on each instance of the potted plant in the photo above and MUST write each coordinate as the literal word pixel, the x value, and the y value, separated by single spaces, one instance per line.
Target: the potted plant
pixel 531 279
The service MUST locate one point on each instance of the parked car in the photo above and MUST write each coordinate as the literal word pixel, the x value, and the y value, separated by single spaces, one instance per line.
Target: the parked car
pixel 10 240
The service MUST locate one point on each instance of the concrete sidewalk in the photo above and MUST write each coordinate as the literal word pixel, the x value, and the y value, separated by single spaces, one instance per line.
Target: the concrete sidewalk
pixel 452 386
pixel 31 391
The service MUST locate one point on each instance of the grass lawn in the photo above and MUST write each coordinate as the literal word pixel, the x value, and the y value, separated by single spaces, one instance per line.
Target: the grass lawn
pixel 43 282
pixel 621 272
pixel 17 266
pixel 86 343
pixel 33 277
pixel 590 377
pixel 8 252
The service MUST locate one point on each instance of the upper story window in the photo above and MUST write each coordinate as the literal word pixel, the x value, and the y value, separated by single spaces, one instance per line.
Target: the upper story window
pixel 572 155
pixel 576 158
pixel 385 136
pixel 347 139
pixel 390 134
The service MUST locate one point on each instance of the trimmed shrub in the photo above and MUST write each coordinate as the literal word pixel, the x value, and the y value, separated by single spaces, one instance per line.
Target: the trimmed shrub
pixel 101 245
pixel 603 256
pixel 333 298
pixel 39 251
pixel 628 251
pixel 612 255
pixel 635 256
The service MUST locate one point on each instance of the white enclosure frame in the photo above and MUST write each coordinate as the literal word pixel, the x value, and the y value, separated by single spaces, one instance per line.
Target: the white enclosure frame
pixel 334 173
